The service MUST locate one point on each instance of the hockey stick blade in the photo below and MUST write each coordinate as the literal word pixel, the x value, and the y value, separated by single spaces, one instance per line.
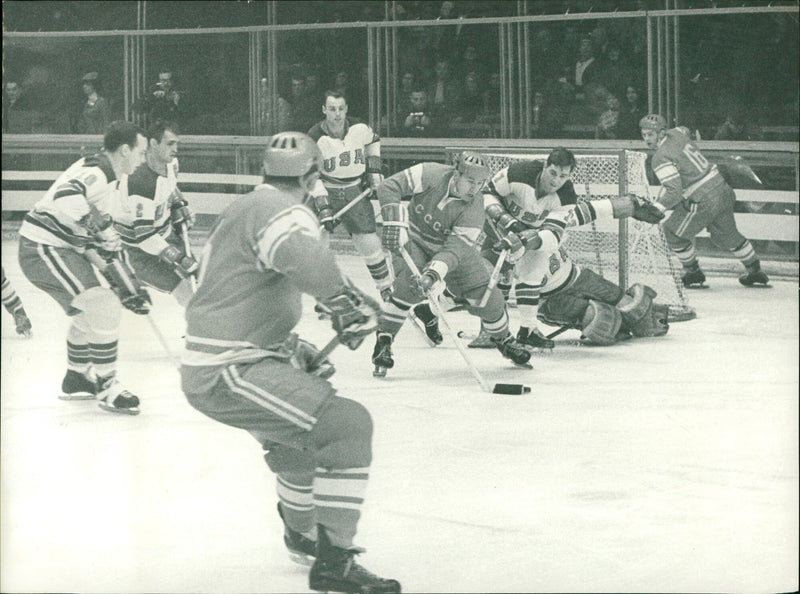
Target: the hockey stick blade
pixel 510 389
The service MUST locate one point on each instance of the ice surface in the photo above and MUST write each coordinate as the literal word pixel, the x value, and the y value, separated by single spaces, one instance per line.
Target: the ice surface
pixel 664 464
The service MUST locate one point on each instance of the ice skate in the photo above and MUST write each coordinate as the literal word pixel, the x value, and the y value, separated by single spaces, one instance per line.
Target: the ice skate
pixel 302 550
pixel 114 398
pixel 513 350
pixel 424 319
pixel 694 279
pixel 322 312
pixel 382 354
pixel 749 279
pixel 77 386
pixel 534 339
pixel 386 294
pixel 482 341
pixel 335 570
pixel 23 323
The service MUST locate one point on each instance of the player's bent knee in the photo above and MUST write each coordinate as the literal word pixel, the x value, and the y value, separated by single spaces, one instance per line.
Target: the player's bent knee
pixel 495 305
pixel 283 459
pixel 100 310
pixel 342 436
pixel 601 323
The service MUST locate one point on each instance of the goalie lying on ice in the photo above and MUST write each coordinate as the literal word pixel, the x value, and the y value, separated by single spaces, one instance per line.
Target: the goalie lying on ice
pixel 600 309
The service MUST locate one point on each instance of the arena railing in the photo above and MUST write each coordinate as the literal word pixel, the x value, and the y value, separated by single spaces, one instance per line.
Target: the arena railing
pixel 216 169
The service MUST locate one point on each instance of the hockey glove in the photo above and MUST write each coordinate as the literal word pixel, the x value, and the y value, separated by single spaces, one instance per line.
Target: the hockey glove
pixel 181 215
pixel 123 282
pixel 303 355
pixel 430 282
pixel 395 226
pixel 530 239
pixel 646 211
pixel 513 244
pixel 184 266
pixel 502 220
pixel 354 316
pixel 324 212
pixel 101 226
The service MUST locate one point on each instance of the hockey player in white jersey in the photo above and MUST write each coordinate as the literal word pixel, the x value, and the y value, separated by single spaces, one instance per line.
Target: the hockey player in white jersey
pixel 243 366
pixel 152 215
pixel 61 240
pixel 529 207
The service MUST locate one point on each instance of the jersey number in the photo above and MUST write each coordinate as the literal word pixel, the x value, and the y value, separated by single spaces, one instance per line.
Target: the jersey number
pixel 695 157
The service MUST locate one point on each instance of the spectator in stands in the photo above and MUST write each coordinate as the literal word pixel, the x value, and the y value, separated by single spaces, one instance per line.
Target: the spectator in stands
pixel 470 63
pixel 608 122
pixel 95 115
pixel 587 69
pixel 18 115
pixel 738 126
pixel 630 112
pixel 615 71
pixel 420 121
pixel 444 92
pixel 164 101
pixel 491 98
pixel 545 117
pixel 408 82
pixel 304 110
pixel 270 122
pixel 468 117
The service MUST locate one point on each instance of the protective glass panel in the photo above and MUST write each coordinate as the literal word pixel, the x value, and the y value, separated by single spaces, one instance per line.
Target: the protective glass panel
pixel 50 73
pixel 739 76
pixel 208 92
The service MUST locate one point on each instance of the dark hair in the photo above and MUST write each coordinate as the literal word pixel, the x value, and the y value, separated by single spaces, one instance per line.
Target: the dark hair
pixel 561 157
pixel 155 131
pixel 119 133
pixel 334 94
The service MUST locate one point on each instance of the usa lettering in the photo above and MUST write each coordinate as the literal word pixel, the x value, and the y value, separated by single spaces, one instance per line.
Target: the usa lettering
pixel 344 159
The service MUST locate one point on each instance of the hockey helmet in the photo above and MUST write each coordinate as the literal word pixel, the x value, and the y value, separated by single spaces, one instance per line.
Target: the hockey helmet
pixel 291 154
pixel 653 121
pixel 474 164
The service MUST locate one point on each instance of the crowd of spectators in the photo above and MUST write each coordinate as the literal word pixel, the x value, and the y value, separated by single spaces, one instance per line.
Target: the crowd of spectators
pixel 587 80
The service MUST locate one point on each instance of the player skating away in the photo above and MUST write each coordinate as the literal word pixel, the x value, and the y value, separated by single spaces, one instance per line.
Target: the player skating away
pixel 13 305
pixel 699 198
pixel 151 214
pixel 60 241
pixel 243 366
pixel 439 228
pixel 529 206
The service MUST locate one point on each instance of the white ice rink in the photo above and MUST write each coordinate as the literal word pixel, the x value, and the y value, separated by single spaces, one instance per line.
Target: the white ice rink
pixel 658 465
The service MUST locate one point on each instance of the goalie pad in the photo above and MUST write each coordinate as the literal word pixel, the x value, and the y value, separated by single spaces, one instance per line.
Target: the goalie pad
pixel 601 323
pixel 655 323
pixel 636 304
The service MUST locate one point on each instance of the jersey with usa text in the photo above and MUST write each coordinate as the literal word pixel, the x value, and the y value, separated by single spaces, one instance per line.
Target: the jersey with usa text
pixel 514 187
pixel 263 253
pixel 58 218
pixel 344 160
pixel 142 215
pixel 438 220
pixel 683 170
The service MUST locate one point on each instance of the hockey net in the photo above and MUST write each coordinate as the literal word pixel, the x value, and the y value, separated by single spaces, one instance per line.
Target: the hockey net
pixel 623 251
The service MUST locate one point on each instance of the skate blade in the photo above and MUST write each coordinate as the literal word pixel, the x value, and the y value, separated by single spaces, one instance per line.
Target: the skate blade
pixel 379 372
pixel 702 286
pixel 76 396
pixel 120 411
pixel 523 365
pixel 301 558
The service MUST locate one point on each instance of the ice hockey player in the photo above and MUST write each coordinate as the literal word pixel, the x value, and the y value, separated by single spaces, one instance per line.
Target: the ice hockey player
pixel 152 213
pixel 243 366
pixel 600 309
pixel 529 206
pixel 439 228
pixel 66 234
pixel 13 305
pixel 699 198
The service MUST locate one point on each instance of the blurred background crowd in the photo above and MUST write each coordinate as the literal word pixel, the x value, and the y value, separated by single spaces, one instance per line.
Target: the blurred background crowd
pixel 737 73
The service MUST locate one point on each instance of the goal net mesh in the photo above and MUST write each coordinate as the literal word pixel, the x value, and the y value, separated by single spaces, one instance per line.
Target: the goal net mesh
pixel 626 251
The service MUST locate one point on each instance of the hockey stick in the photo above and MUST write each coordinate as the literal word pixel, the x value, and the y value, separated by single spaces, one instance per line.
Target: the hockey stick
pixel 494 278
pixel 338 215
pixel 485 386
pixel 187 248
pixel 325 351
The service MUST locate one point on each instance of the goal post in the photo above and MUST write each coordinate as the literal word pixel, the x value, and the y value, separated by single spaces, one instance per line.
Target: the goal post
pixel 625 251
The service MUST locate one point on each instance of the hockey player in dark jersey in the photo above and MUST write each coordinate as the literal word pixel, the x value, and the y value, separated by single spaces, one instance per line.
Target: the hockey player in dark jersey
pixel 243 366
pixel 66 235
pixel 152 214
pixel 439 228
pixel 699 197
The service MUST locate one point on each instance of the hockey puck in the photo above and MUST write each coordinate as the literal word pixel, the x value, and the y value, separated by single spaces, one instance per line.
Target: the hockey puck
pixel 510 389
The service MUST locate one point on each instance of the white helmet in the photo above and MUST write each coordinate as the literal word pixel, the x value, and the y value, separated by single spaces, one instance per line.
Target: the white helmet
pixel 654 122
pixel 470 162
pixel 291 154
